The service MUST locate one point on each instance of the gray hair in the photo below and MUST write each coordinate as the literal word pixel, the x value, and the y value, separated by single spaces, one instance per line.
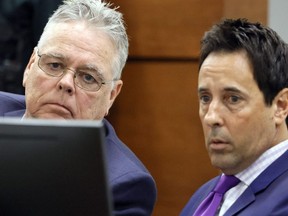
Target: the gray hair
pixel 101 15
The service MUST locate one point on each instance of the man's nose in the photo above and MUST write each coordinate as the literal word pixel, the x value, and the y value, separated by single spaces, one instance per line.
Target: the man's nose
pixel 66 82
pixel 214 115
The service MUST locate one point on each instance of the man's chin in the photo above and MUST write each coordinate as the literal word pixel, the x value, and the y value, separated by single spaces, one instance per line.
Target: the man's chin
pixel 52 116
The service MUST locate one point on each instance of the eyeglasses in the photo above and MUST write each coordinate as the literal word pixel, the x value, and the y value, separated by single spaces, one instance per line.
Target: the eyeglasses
pixel 86 79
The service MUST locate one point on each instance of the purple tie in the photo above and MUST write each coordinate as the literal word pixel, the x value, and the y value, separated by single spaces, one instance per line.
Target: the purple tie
pixel 209 206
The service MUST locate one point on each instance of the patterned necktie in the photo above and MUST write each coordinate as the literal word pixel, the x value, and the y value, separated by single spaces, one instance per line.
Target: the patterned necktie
pixel 209 206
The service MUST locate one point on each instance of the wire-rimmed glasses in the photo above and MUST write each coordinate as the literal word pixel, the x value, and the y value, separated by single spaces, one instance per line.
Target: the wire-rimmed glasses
pixel 87 79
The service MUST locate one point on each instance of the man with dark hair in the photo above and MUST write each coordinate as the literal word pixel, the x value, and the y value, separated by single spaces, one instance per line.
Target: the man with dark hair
pixel 243 104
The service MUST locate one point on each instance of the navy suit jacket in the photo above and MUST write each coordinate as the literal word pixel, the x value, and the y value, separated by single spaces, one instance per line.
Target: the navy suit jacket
pixel 133 188
pixel 266 196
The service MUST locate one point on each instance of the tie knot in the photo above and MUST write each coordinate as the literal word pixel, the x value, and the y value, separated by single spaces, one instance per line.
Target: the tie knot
pixel 226 182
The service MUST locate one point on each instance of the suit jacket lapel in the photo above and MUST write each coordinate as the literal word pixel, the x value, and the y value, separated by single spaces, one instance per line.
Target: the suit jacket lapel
pixel 259 184
pixel 245 199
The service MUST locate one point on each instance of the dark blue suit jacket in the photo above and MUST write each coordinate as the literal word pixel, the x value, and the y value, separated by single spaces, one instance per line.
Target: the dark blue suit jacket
pixel 133 188
pixel 266 196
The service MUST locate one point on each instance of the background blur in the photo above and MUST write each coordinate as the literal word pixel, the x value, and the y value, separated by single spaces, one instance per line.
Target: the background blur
pixel 21 24
pixel 156 114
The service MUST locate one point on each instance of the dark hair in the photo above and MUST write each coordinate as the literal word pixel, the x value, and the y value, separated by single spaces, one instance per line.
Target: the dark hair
pixel 266 51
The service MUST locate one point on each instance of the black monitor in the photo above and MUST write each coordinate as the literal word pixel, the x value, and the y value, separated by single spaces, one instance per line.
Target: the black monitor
pixel 53 167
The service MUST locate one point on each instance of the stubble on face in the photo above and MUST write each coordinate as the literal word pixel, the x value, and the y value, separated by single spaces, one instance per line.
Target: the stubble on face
pixel 236 122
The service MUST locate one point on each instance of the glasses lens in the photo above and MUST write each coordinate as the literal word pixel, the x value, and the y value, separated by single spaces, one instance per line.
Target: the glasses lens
pixel 51 65
pixel 88 80
pixel 85 79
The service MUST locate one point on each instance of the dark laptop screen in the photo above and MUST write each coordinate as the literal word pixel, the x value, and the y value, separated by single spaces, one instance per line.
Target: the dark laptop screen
pixel 53 167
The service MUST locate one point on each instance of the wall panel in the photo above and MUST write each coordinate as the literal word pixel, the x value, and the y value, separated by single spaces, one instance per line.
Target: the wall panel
pixel 168 28
pixel 254 10
pixel 156 115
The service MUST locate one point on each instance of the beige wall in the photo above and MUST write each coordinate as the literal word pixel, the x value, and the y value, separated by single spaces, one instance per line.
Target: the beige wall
pixel 156 114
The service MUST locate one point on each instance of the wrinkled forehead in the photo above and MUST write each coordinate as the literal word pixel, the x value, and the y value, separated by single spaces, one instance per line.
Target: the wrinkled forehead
pixel 79 41
pixel 78 32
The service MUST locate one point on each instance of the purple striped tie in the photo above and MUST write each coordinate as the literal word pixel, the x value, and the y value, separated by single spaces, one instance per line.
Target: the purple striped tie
pixel 209 206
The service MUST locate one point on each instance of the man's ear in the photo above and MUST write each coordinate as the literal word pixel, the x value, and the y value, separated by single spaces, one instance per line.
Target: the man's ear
pixel 115 92
pixel 281 102
pixel 28 66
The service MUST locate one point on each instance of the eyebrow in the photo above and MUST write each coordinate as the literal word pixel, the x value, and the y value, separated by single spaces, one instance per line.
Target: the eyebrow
pixel 94 68
pixel 54 55
pixel 232 89
pixel 201 89
pixel 227 89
